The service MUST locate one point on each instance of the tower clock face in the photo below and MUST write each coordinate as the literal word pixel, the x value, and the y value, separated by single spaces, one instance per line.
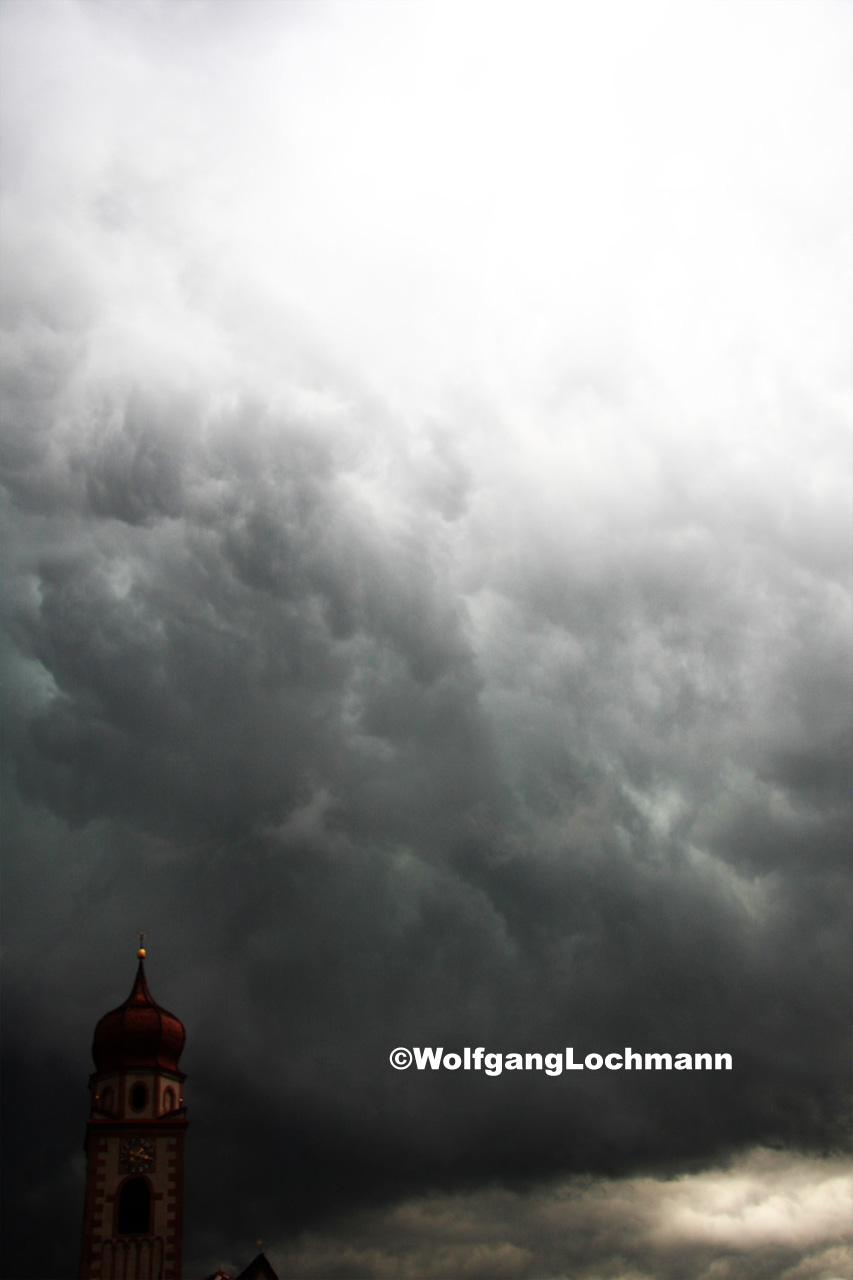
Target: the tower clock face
pixel 136 1155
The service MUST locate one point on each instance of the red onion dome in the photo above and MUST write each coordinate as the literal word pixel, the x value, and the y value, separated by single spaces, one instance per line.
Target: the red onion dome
pixel 139 1033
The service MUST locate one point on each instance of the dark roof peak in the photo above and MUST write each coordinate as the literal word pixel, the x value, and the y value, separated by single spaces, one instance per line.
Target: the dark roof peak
pixel 258 1269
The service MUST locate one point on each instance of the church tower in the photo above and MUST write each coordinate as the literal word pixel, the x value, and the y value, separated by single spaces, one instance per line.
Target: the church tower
pixel 133 1215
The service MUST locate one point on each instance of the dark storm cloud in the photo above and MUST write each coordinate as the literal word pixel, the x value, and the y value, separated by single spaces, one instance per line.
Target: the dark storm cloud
pixel 262 710
pixel 239 612
pixel 477 716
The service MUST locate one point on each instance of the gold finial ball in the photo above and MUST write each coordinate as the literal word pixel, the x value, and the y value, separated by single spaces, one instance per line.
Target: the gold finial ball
pixel 141 953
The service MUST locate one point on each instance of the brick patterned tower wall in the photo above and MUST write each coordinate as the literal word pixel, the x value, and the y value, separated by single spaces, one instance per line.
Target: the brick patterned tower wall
pixel 133 1209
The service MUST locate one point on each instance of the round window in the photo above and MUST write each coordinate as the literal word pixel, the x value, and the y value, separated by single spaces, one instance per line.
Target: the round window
pixel 138 1096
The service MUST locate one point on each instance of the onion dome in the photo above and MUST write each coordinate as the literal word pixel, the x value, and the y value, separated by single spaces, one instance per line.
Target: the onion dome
pixel 139 1033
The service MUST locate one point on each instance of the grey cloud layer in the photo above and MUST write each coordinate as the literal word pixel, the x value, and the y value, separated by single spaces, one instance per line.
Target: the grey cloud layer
pixel 376 810
pixel 430 714
pixel 763 1216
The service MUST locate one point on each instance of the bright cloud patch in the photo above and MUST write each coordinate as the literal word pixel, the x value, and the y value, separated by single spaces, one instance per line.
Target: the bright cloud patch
pixel 766 1215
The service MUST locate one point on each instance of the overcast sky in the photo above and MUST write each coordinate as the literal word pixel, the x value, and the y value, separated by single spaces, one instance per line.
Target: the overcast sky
pixel 427 557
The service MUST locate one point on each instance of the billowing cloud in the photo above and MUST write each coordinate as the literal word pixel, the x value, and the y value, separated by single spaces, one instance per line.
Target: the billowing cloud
pixel 765 1215
pixel 427 614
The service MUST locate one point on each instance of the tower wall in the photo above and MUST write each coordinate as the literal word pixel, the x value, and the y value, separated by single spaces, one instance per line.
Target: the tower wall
pixel 133 1209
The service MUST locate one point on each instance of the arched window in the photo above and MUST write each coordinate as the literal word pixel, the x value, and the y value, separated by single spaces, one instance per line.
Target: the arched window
pixel 106 1099
pixel 169 1100
pixel 138 1096
pixel 134 1208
